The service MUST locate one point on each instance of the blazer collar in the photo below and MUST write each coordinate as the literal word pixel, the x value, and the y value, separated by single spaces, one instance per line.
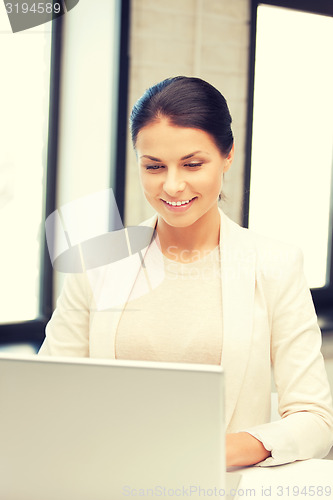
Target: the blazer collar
pixel 238 261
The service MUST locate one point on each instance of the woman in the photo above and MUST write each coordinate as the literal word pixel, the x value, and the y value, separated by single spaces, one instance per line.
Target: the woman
pixel 226 294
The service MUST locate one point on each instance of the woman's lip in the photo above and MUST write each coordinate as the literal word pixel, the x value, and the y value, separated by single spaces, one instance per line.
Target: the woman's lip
pixel 179 208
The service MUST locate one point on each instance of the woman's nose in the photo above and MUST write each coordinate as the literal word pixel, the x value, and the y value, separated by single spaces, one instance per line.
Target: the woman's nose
pixel 174 183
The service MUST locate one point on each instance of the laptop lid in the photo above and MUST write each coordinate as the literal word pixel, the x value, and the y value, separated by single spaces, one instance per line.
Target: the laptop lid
pixel 86 429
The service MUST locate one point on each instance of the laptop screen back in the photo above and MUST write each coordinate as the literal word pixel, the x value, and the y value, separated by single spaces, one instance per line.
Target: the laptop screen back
pixel 74 429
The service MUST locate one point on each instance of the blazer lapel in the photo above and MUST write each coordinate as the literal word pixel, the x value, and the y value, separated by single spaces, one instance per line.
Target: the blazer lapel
pixel 238 286
pixel 112 287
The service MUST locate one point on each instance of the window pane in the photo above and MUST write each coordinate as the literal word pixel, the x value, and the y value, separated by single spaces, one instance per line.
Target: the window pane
pixel 24 99
pixel 292 133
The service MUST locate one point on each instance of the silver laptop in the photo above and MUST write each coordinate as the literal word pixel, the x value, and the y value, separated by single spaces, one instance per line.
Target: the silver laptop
pixel 86 429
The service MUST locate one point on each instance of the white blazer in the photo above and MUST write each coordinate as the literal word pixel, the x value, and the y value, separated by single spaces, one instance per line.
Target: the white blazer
pixel 268 320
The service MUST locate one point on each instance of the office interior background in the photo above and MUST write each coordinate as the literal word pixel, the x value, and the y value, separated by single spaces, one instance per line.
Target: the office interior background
pixel 67 88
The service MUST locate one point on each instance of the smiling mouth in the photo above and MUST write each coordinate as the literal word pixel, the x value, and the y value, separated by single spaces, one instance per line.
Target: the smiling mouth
pixel 178 203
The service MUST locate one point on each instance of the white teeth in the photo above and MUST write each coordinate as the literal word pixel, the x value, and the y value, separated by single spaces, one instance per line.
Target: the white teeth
pixel 177 203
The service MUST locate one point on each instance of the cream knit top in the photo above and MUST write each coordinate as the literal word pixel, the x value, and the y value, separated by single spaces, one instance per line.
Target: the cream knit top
pixel 178 321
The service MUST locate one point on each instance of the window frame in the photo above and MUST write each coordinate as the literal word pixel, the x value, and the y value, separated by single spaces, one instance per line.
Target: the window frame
pixel 33 331
pixel 322 297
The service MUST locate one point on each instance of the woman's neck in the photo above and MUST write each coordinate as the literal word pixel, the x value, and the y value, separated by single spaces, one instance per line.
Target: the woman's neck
pixel 194 241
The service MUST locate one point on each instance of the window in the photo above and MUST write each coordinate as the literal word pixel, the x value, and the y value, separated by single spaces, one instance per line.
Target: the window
pixel 289 170
pixel 24 103
pixel 33 69
pixel 29 95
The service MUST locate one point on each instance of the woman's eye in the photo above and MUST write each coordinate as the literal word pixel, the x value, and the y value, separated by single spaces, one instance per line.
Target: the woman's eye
pixel 158 167
pixel 193 164
pixel 153 167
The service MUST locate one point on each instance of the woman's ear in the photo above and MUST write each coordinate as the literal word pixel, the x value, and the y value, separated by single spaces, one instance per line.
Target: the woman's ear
pixel 229 159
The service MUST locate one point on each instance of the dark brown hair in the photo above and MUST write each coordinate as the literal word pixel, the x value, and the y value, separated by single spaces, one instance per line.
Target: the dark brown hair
pixel 186 102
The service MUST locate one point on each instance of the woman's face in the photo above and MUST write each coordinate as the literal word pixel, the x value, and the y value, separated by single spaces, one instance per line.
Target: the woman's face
pixel 181 171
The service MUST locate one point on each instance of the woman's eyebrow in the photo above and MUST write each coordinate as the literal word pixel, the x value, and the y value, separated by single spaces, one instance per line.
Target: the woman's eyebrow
pixel 151 158
pixel 186 157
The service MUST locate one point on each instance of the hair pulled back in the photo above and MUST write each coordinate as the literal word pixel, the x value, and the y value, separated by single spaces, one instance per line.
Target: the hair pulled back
pixel 186 102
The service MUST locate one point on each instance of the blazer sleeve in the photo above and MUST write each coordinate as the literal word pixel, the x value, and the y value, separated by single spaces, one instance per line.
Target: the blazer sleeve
pixel 67 333
pixel 305 429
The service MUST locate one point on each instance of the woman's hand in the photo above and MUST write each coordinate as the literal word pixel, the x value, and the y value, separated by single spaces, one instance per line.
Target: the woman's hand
pixel 244 449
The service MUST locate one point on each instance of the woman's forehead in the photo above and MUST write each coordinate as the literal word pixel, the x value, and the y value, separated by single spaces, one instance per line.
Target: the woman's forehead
pixel 163 136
